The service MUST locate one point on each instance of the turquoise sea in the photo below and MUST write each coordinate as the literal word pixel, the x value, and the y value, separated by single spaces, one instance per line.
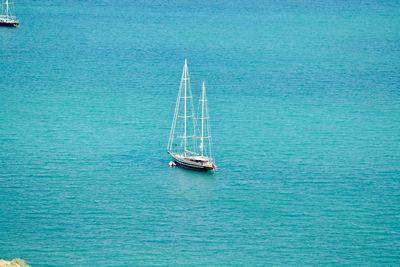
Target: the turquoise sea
pixel 304 99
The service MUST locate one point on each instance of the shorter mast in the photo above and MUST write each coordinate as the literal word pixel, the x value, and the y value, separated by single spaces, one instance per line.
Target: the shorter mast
pixel 203 91
pixel 185 108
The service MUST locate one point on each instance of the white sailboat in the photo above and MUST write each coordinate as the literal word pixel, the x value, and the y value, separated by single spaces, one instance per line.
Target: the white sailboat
pixel 182 144
pixel 7 17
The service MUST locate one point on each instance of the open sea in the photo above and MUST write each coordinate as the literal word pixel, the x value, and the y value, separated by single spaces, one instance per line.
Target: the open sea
pixel 304 98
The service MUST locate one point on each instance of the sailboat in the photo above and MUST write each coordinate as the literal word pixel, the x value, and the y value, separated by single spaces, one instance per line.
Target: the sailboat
pixel 6 17
pixel 184 146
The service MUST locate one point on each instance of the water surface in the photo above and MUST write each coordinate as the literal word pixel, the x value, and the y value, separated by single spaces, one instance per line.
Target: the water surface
pixel 304 99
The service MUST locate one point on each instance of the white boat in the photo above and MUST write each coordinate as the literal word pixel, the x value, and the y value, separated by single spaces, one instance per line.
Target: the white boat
pixel 187 149
pixel 7 17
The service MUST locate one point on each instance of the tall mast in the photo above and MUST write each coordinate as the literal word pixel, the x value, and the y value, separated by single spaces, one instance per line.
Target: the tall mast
pixel 184 109
pixel 6 8
pixel 202 119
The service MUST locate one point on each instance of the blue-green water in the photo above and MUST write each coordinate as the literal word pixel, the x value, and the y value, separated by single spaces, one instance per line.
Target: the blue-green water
pixel 305 105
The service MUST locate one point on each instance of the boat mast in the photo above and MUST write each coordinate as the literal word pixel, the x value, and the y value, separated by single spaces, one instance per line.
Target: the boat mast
pixel 184 93
pixel 184 108
pixel 6 8
pixel 202 119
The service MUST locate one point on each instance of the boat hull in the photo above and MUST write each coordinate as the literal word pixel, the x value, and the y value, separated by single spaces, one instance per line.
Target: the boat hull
pixel 187 164
pixel 192 166
pixel 9 24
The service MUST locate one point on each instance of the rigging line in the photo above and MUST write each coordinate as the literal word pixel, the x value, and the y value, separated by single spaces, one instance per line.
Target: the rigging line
pixel 173 127
pixel 174 120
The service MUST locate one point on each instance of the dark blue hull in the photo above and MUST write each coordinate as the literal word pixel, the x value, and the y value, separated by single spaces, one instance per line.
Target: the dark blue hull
pixel 192 167
pixel 9 24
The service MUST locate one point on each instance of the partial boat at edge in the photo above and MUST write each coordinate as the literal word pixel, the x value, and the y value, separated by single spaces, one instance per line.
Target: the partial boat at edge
pixel 7 18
